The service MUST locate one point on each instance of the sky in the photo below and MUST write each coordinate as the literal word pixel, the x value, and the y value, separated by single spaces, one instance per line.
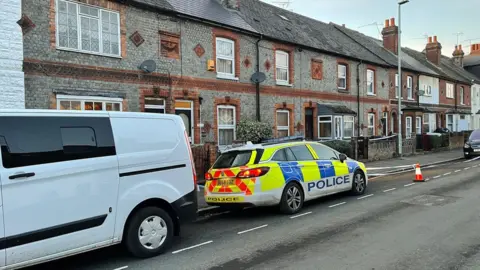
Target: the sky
pixel 420 19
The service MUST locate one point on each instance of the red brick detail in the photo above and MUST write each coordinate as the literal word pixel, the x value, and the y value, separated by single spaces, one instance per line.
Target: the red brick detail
pixel 291 63
pixel 184 94
pixel 475 49
pixel 137 39
pixel 199 50
pixel 99 3
pixel 291 109
pixel 169 45
pixel 390 36
pixel 317 69
pixel 404 92
pixel 26 24
pixel 225 101
pixel 313 106
pixel 375 83
pixel 345 63
pixel 222 33
pixel 84 72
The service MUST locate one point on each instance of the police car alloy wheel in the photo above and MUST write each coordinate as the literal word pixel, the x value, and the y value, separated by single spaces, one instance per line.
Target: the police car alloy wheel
pixel 359 185
pixel 149 232
pixel 292 199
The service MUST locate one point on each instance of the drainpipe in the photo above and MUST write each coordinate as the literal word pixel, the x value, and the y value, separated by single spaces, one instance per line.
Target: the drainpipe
pixel 257 84
pixel 418 90
pixel 358 97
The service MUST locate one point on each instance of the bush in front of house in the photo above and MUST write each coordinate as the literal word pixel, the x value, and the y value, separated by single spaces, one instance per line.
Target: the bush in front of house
pixel 253 131
pixel 435 141
pixel 343 147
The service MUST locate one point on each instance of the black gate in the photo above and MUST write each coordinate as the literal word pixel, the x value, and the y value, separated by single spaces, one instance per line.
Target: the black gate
pixel 201 157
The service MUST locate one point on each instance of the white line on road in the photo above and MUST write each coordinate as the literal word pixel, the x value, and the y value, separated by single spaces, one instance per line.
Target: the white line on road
pixel 301 215
pixel 435 177
pixel 407 185
pixel 447 173
pixel 195 246
pixel 252 229
pixel 121 268
pixel 338 204
pixel 428 179
pixel 364 197
pixel 466 168
pixel 458 170
pixel 475 166
pixel 470 160
pixel 387 190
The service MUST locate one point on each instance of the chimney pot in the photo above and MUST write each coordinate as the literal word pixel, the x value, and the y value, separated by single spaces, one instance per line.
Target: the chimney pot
pixel 387 23
pixel 460 47
pixel 435 39
pixel 392 22
pixel 456 47
pixel 429 39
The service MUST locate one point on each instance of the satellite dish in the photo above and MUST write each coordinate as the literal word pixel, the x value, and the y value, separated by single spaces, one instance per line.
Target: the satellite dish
pixel 148 66
pixel 258 77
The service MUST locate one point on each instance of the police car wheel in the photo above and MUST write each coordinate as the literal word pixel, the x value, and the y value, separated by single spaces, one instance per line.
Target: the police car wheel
pixel 149 232
pixel 292 199
pixel 359 185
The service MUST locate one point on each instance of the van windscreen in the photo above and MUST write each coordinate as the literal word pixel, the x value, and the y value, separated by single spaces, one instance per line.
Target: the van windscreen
pixel 233 159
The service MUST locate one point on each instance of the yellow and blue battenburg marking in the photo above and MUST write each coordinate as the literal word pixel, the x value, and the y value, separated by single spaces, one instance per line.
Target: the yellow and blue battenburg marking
pixel 291 171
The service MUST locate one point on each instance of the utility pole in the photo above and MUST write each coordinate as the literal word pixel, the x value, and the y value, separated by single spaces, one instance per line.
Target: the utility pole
pixel 399 53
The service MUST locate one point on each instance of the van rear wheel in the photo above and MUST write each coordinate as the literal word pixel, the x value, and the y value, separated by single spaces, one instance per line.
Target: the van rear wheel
pixel 149 232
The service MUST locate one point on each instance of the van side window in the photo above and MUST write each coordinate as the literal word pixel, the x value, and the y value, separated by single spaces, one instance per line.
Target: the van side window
pixel 27 141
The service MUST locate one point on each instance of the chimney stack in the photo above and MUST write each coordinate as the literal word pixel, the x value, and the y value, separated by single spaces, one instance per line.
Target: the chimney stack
pixel 475 49
pixel 433 50
pixel 390 36
pixel 458 56
pixel 230 4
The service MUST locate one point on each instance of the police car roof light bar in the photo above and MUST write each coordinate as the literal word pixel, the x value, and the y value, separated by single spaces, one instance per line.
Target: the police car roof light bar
pixel 283 140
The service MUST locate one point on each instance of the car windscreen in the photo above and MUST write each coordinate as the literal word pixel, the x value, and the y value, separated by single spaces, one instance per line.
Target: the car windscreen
pixel 475 136
pixel 233 159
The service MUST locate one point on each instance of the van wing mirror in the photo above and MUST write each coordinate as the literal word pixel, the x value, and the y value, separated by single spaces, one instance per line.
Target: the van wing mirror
pixel 342 157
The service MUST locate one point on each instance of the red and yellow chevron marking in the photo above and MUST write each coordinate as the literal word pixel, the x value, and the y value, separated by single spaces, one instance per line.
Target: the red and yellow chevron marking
pixel 246 186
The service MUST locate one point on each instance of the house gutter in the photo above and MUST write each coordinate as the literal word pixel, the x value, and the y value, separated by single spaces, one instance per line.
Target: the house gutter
pixel 257 84
pixel 358 97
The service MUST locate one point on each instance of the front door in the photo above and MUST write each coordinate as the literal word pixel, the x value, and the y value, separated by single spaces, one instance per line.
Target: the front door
pixel 184 109
pixel 59 181
pixel 309 123
pixel 338 127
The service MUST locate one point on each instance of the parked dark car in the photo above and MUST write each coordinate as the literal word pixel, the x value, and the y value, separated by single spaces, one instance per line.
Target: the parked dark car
pixel 472 145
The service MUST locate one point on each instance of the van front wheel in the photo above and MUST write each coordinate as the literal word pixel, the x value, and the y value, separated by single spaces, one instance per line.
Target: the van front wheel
pixel 149 232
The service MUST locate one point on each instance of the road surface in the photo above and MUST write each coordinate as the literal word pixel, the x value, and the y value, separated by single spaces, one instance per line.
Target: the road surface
pixel 398 224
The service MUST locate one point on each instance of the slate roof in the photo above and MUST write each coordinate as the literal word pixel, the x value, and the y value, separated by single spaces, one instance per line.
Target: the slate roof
pixel 471 60
pixel 334 109
pixel 210 10
pixel 160 4
pixel 301 30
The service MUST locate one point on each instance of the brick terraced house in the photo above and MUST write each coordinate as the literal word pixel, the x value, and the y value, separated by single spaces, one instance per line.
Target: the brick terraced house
pixel 321 80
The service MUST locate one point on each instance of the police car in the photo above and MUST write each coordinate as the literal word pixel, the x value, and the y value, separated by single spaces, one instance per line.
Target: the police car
pixel 281 173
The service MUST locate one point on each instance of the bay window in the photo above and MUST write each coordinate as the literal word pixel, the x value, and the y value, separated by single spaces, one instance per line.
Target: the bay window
pixel 85 103
pixel 325 126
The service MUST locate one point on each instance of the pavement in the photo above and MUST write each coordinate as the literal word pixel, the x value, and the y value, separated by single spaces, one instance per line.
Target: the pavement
pixel 397 224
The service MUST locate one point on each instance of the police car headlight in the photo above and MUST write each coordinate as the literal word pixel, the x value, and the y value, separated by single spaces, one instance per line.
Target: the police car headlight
pixel 467 145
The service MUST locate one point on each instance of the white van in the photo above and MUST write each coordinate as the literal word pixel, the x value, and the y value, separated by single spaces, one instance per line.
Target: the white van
pixel 73 181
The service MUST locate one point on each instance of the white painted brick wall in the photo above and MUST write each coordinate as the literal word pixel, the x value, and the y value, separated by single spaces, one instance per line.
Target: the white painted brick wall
pixel 12 89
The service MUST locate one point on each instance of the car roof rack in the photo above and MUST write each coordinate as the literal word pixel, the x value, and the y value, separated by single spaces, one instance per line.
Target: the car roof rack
pixel 283 140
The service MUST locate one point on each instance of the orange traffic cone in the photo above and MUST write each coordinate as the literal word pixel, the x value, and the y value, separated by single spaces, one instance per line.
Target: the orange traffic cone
pixel 418 174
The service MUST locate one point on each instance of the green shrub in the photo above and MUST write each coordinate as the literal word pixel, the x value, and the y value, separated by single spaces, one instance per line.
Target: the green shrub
pixel 435 141
pixel 343 147
pixel 253 131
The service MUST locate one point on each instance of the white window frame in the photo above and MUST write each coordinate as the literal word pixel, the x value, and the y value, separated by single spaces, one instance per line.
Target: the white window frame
pixel 368 124
pixel 232 127
pixel 428 90
pixel 345 117
pixel 282 53
pixel 155 106
pixel 370 81
pixel 408 127
pixel 418 125
pixel 432 122
pixel 283 128
pixel 397 92
pixel 79 32
pixel 462 97
pixel 342 77
pixel 410 87
pixel 385 116
pixel 84 99
pixel 325 121
pixel 452 122
pixel 449 91
pixel 225 57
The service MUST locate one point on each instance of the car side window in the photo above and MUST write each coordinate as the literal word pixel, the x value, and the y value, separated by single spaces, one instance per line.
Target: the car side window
pixel 323 152
pixel 280 155
pixel 27 141
pixel 301 152
pixel 290 155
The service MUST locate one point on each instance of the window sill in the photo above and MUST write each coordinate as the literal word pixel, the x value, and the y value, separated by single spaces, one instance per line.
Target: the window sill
pixel 88 52
pixel 343 90
pixel 226 77
pixel 371 95
pixel 411 99
pixel 283 84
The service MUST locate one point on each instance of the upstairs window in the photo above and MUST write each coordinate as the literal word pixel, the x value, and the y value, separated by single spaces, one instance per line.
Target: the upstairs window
pixel 225 57
pixel 342 76
pixel 281 69
pixel 462 97
pixel 449 90
pixel 409 87
pixel 87 29
pixel 370 82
